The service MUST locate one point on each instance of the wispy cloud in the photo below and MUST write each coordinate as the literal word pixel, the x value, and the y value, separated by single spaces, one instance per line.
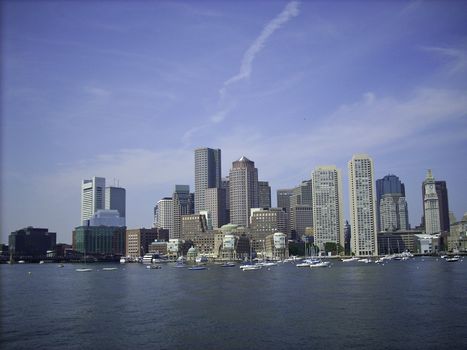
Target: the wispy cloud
pixel 246 67
pixel 457 56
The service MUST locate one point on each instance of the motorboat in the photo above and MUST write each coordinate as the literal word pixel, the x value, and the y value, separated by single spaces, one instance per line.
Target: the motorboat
pixel 41 262
pixel 321 264
pixel 251 267
pixel 21 262
pixel 197 268
pixel 153 267
pixel 303 264
pixel 228 264
pixel 123 260
pixel 109 269
pixel 350 259
pixel 83 270
pixel 366 260
pixel 61 265
pixel 453 259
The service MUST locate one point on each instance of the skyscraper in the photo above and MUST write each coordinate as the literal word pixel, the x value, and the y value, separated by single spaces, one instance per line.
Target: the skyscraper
pixel 393 212
pixel 92 197
pixel 115 198
pixel 431 205
pixel 362 205
pixel 301 210
pixel 443 204
pixel 181 201
pixel 264 194
pixel 215 204
pixel 207 174
pixel 283 201
pixel 328 217
pixel 164 215
pixel 390 184
pixel 243 184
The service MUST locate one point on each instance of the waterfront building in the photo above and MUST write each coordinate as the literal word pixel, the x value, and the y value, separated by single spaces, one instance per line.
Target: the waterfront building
pixel 31 242
pixel 92 197
pixel 431 205
pixel 99 241
pixel 182 205
pixel 193 225
pixel 457 238
pixel 115 199
pixel 138 240
pixel 204 242
pixel 390 184
pixel 442 202
pixel 243 187
pixel 164 215
pixel 277 247
pixel 216 205
pixel 264 194
pixel 398 241
pixel 104 217
pixel 393 212
pixel 207 174
pixel 362 205
pixel 328 217
pixel 266 221
pixel 158 247
pixel 427 243
pixel 231 243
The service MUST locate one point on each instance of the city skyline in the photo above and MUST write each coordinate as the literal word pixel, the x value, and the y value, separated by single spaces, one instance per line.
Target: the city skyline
pixel 295 85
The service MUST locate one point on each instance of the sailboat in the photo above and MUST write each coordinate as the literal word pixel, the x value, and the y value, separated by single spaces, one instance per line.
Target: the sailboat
pixel 250 265
pixel 84 269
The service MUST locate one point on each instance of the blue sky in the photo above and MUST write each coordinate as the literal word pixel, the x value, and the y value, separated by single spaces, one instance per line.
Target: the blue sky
pixel 128 89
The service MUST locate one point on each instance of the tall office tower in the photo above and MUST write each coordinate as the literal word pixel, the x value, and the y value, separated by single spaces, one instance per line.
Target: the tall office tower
pixel 92 197
pixel 115 199
pixel 283 201
pixel 328 217
pixel 225 184
pixel 443 205
pixel 388 184
pixel 181 206
pixel 264 194
pixel 393 212
pixel 301 209
pixel 362 205
pixel 431 205
pixel 164 215
pixel 215 204
pixel 207 174
pixel 243 190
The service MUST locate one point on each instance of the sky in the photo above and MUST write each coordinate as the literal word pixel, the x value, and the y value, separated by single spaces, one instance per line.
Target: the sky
pixel 128 89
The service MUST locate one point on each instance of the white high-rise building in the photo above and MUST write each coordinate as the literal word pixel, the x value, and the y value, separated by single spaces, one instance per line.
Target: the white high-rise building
pixel 207 174
pixel 164 215
pixel 393 212
pixel 362 206
pixel 92 197
pixel 243 187
pixel 328 217
pixel 431 204
pixel 115 199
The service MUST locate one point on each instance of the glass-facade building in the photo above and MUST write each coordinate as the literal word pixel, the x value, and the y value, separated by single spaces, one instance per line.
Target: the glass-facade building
pixel 99 240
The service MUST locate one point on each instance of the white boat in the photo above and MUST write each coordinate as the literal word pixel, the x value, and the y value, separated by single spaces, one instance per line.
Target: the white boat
pixel 267 263
pixel 303 264
pixel 153 267
pixel 198 267
pixel 321 264
pixel 21 262
pixel 122 260
pixel 41 262
pixel 366 260
pixel 228 264
pixel 109 269
pixel 61 265
pixel 453 259
pixel 350 259
pixel 83 270
pixel 250 267
pixel 147 258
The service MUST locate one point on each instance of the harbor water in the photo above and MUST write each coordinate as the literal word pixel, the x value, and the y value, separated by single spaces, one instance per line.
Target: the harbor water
pixel 416 304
